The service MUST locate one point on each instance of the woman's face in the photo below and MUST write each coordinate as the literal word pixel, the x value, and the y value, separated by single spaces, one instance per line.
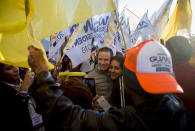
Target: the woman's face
pixel 115 70
pixel 10 73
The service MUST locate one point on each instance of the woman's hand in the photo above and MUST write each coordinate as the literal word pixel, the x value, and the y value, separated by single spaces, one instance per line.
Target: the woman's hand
pixel 28 80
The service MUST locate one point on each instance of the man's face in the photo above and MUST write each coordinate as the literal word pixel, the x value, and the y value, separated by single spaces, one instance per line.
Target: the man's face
pixel 104 60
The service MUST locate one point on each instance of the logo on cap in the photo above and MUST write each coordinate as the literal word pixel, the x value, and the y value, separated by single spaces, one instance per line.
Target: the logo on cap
pixel 161 62
pixel 152 65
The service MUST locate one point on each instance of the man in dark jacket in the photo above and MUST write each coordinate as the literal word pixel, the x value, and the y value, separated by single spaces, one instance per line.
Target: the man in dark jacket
pixel 148 81
pixel 181 52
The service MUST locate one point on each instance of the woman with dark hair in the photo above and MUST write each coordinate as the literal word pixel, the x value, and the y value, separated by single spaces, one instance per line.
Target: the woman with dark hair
pixel 116 66
pixel 17 112
pixel 116 70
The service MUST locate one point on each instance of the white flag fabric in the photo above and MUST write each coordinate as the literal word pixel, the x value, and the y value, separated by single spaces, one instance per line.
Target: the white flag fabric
pixel 100 27
pixel 113 38
pixel 125 24
pixel 118 41
pixel 95 28
pixel 143 30
pixel 58 40
pixel 81 49
pixel 160 18
pixel 88 65
pixel 112 29
pixel 133 19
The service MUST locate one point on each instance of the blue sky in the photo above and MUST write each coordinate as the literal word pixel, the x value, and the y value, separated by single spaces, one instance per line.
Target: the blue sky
pixel 139 7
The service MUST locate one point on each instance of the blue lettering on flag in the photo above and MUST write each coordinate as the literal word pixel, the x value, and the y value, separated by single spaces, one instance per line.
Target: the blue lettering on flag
pixel 103 21
pixel 141 25
pixel 88 26
pixel 72 28
pixel 83 39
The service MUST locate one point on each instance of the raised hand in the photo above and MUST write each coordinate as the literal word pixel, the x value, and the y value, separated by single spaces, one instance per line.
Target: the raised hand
pixel 36 60
pixel 28 80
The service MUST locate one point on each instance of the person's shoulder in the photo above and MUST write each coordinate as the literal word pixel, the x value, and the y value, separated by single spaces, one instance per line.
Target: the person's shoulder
pixel 4 85
pixel 172 103
pixel 92 73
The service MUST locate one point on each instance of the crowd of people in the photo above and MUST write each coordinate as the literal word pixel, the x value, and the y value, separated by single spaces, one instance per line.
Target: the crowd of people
pixel 150 87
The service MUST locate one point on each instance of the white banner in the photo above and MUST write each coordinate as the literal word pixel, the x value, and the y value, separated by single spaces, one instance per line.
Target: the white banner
pixel 124 21
pixel 100 27
pixel 81 49
pixel 97 28
pixel 56 42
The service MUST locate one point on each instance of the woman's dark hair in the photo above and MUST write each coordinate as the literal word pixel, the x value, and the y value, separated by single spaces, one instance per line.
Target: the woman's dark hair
pixel 78 92
pixel 120 59
pixel 180 48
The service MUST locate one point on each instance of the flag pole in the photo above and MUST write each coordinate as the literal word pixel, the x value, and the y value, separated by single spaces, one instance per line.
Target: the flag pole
pixel 120 29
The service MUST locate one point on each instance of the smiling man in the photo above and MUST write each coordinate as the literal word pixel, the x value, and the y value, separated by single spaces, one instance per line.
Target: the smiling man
pixel 103 82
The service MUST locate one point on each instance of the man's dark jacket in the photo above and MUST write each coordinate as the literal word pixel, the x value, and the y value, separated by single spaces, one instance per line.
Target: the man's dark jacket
pixel 164 114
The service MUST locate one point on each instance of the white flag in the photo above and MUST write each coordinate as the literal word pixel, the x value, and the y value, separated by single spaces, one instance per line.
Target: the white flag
pixel 56 42
pixel 160 18
pixel 100 27
pixel 143 31
pixel 88 65
pixel 125 24
pixel 112 29
pixel 81 49
pixel 133 19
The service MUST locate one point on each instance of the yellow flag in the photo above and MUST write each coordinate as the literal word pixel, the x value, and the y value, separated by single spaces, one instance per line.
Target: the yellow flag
pixel 45 18
pixel 12 16
pixel 180 21
pixel 16 33
pixel 13 52
pixel 52 16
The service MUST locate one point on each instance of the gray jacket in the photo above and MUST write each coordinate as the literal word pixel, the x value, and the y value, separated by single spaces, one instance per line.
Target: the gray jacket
pixel 103 84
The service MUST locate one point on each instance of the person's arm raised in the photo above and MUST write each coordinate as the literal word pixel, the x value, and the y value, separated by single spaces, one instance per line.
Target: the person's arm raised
pixel 28 80
pixel 36 60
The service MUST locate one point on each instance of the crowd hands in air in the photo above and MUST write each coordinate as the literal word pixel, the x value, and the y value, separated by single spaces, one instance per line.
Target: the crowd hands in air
pixel 132 92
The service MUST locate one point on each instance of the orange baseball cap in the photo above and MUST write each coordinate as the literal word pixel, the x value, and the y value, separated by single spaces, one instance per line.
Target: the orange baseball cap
pixel 152 65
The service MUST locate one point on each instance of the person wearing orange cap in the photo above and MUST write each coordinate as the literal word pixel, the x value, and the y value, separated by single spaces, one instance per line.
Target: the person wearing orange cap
pixel 148 81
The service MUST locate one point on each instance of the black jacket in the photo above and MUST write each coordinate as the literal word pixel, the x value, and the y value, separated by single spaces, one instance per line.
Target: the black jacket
pixel 164 114
pixel 14 109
